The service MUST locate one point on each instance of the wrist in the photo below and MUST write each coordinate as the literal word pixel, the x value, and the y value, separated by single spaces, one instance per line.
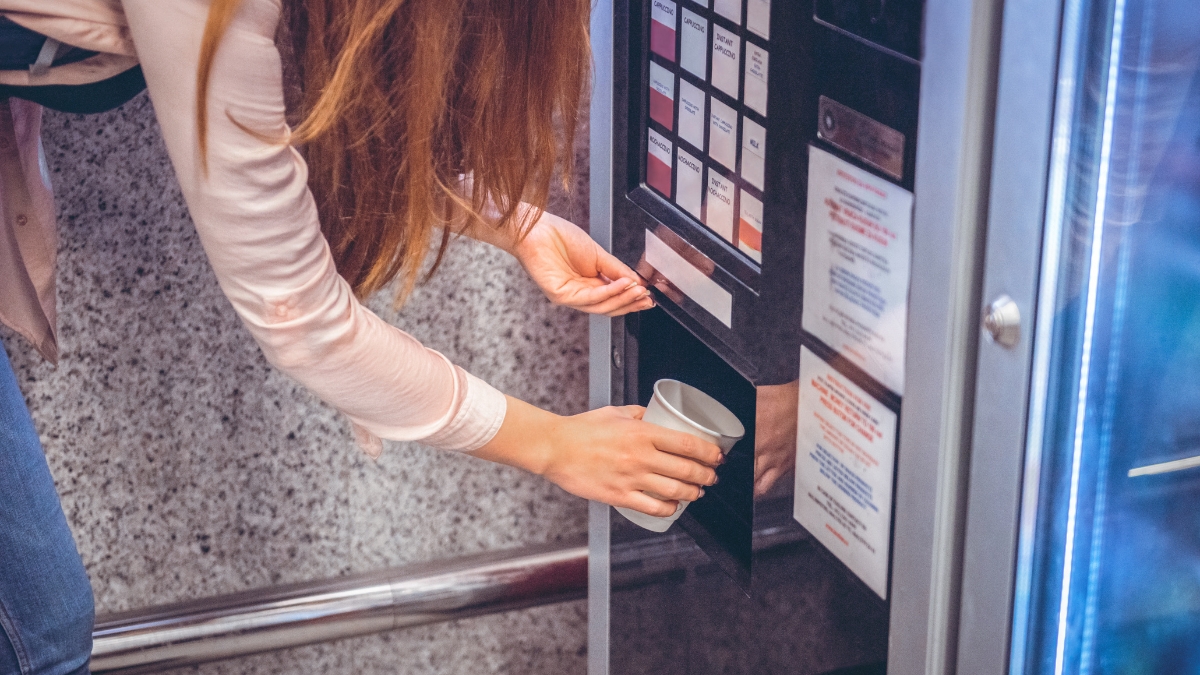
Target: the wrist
pixel 519 246
pixel 525 439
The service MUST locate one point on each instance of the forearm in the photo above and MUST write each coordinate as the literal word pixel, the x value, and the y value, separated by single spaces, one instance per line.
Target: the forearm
pixel 485 226
pixel 523 440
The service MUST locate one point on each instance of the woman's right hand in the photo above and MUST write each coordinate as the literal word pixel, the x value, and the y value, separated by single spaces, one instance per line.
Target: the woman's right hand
pixel 608 455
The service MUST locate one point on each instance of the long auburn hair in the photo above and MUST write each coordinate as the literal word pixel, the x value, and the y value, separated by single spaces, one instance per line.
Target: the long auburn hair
pixel 402 98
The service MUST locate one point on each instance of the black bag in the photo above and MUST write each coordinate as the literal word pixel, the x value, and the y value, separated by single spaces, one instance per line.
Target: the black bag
pixel 24 49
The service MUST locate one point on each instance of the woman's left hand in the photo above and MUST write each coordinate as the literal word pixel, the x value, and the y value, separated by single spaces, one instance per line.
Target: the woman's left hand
pixel 573 270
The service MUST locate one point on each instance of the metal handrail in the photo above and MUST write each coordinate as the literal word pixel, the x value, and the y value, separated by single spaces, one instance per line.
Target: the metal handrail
pixel 280 617
pixel 298 614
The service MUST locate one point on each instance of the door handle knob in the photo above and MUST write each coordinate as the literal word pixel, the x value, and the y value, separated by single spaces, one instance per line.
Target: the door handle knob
pixel 1002 321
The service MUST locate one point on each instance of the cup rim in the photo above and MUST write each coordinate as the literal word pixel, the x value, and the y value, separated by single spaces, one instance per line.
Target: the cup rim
pixel 712 432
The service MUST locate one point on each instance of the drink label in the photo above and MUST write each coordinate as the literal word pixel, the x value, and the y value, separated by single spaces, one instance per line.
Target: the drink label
pixel 692 117
pixel 694 45
pixel 755 96
pixel 689 193
pixel 662 28
pixel 719 214
pixel 658 163
pixel 722 133
pixel 730 9
pixel 726 60
pixel 662 96
pixel 758 17
pixel 750 226
pixel 754 150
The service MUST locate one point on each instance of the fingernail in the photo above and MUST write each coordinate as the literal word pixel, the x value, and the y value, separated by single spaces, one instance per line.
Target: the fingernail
pixel 716 480
pixel 721 458
pixel 701 493
pixel 632 284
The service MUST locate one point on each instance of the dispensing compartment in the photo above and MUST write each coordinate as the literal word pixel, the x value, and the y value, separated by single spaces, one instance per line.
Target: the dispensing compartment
pixel 658 346
pixel 737 584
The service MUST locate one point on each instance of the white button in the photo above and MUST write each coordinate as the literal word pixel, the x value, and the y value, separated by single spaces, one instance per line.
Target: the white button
pixel 692 117
pixel 658 162
pixel 689 190
pixel 758 17
pixel 750 226
pixel 755 96
pixel 719 211
pixel 693 46
pixel 754 142
pixel 722 133
pixel 730 9
pixel 662 96
pixel 662 28
pixel 726 60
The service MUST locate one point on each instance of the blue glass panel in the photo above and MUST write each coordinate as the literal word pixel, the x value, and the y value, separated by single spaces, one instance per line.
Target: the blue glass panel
pixel 1113 584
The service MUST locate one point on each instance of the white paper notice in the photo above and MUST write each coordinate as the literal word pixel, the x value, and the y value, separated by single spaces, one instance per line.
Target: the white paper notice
pixel 726 60
pixel 755 95
pixel 730 9
pixel 845 455
pixel 702 3
pixel 719 217
pixel 758 17
pixel 692 119
pixel 694 44
pixel 722 133
pixel 754 150
pixel 689 190
pixel 856 265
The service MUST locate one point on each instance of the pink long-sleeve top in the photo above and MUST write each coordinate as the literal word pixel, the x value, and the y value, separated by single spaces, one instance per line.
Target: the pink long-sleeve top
pixel 253 211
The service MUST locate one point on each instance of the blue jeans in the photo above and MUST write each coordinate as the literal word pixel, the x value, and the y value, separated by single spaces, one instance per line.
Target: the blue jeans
pixel 46 607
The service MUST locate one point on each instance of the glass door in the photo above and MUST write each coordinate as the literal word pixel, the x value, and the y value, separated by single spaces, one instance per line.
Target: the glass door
pixel 1107 569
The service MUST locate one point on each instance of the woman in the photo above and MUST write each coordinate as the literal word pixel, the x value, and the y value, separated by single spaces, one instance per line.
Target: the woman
pixel 419 119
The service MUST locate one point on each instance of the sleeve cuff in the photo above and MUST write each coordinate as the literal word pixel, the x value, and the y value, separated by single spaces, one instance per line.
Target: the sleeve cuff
pixel 478 418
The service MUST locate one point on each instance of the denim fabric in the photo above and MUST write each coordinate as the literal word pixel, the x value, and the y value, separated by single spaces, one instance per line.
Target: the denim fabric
pixel 46 607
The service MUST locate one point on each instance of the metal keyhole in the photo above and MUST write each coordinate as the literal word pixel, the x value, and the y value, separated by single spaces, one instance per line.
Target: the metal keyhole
pixel 1002 321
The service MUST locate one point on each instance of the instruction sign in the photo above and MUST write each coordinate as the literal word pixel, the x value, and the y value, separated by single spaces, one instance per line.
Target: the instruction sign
pixel 857 248
pixel 845 456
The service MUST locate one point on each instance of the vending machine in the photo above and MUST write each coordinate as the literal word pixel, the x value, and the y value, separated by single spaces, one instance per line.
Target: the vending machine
pixel 940 258
pixel 756 162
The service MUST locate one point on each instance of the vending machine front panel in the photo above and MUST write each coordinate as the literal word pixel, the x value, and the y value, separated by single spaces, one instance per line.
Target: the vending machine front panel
pixel 719 109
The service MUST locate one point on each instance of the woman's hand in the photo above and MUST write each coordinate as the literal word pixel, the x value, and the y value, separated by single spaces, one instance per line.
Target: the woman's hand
pixel 608 455
pixel 573 270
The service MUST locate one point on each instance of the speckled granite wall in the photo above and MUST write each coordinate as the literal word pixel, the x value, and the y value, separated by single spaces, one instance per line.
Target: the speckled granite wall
pixel 188 467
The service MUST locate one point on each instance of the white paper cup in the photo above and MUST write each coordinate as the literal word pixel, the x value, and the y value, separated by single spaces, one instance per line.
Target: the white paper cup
pixel 681 407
